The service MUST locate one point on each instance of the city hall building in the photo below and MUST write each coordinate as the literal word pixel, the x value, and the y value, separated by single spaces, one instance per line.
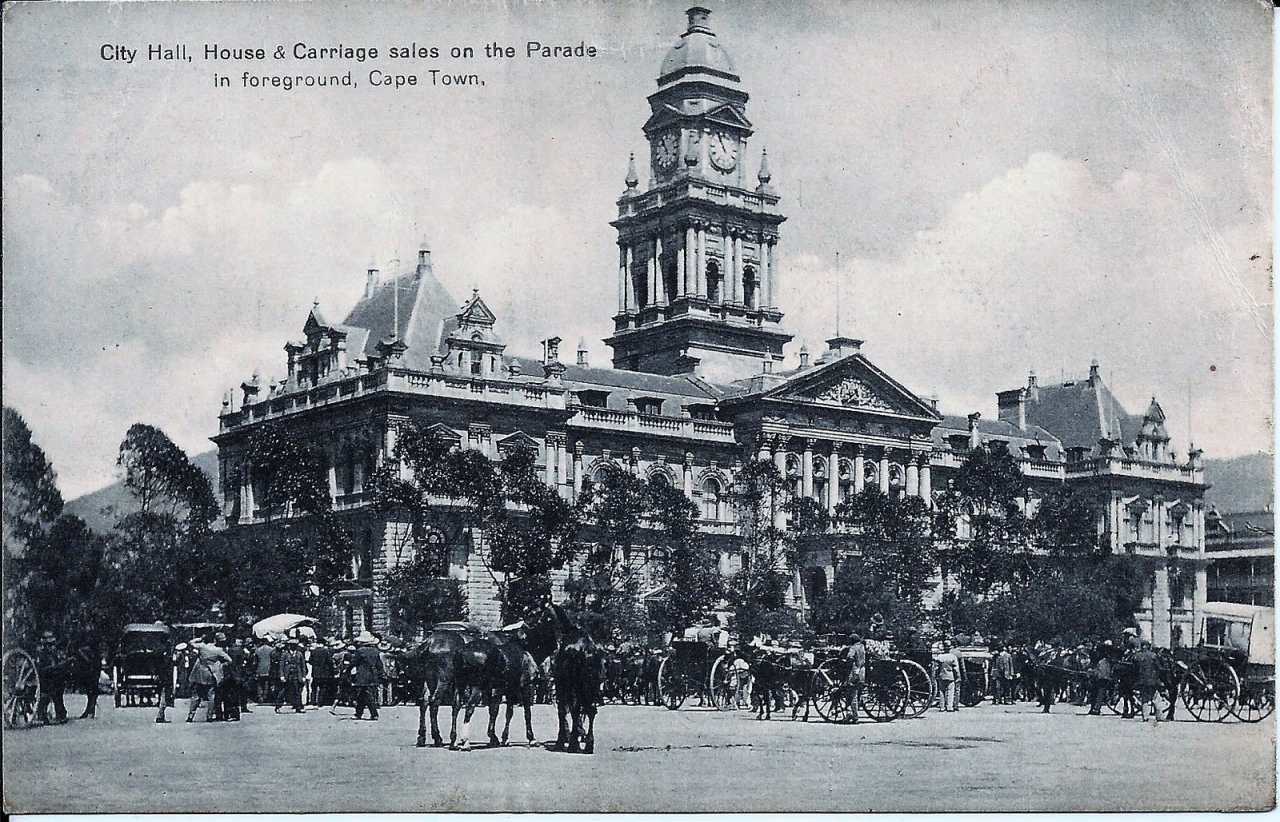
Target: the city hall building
pixel 696 385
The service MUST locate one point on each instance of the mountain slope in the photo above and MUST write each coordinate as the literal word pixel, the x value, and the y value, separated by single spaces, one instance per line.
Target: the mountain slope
pixel 1241 483
pixel 100 509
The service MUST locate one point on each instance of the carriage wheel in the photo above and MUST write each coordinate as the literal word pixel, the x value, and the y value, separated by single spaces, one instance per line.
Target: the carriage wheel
pixel 1256 702
pixel 921 690
pixel 1210 690
pixel 831 699
pixel 885 697
pixel 21 688
pixel 972 692
pixel 672 688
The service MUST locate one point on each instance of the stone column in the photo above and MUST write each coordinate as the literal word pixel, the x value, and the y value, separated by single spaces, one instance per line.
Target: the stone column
pixel 622 279
pixel 681 271
pixel 700 261
pixel 775 276
pixel 658 273
pixel 833 481
pixel 246 492
pixel 739 295
pixel 550 448
pixel 652 274
pixel 333 473
pixel 1157 521
pixel 926 482
pixel 884 471
pixel 562 465
pixel 690 261
pixel 630 280
pixel 577 469
pixel 859 470
pixel 913 476
pixel 635 461
pixel 1160 634
pixel 688 475
pixel 763 288
pixel 359 472
pixel 806 470
pixel 727 278
pixel 780 462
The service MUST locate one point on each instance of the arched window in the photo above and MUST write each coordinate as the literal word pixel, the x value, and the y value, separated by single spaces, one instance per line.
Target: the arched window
pixel 711 502
pixel 660 478
pixel 750 287
pixel 477 363
pixel 641 285
pixel 870 473
pixel 897 480
pixel 669 282
pixel 820 480
pixel 714 282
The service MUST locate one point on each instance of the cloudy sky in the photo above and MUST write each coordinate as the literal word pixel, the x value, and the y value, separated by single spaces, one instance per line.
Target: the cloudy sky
pixel 1008 185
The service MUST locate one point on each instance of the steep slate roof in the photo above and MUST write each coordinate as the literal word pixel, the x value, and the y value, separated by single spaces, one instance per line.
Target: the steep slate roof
pixel 1080 413
pixel 425 305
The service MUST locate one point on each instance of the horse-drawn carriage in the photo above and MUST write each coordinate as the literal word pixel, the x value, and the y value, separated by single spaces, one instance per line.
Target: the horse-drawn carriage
pixel 975 674
pixel 896 686
pixel 142 667
pixel 713 673
pixel 1232 670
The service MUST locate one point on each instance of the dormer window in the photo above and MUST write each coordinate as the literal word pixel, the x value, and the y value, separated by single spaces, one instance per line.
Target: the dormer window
pixel 1036 452
pixel 649 406
pixel 702 412
pixel 594 399
pixel 477 363
pixel 958 442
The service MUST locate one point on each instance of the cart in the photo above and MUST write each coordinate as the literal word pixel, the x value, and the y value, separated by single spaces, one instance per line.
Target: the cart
pixel 693 667
pixel 142 667
pixel 1232 670
pixel 886 695
pixel 975 670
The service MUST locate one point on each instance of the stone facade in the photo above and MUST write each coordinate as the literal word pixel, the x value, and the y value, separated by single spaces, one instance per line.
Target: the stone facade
pixel 696 388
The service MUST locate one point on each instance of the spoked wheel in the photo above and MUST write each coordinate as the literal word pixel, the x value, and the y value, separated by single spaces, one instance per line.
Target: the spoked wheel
pixel 921 690
pixel 21 689
pixel 831 699
pixel 1210 690
pixel 885 696
pixel 972 692
pixel 672 688
pixel 1256 702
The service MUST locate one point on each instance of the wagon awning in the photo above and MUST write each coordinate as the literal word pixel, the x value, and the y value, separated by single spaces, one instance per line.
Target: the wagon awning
pixel 280 624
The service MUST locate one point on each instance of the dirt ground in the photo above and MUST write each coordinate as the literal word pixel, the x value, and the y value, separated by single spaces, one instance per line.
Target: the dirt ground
pixel 648 759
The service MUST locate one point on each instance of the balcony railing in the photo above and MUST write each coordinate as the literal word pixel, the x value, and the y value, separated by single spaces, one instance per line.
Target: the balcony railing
pixel 589 416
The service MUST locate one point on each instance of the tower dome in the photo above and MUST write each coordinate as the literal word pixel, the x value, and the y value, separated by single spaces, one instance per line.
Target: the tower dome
pixel 697 52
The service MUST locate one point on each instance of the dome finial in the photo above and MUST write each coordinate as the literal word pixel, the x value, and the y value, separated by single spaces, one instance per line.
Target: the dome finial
pixel 633 179
pixel 765 174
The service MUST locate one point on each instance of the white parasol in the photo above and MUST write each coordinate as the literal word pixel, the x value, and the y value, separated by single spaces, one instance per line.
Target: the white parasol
pixel 280 624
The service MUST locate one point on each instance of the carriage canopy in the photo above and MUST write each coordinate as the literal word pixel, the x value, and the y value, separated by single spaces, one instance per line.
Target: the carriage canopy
pixel 1246 628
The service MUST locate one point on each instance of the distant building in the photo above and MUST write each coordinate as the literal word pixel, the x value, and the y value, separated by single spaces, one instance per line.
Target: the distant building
pixel 696 386
pixel 1241 550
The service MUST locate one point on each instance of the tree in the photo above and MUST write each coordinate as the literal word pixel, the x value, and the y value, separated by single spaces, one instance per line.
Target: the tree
pixel 759 498
pixel 31 497
pixel 606 591
pixel 688 564
pixel 418 597
pixel 988 487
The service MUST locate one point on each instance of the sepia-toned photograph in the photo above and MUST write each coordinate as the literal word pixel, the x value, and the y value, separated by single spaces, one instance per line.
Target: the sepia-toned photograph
pixel 601 407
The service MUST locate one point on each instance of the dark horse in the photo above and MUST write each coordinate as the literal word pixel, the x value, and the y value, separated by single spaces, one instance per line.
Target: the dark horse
pixel 500 665
pixel 578 670
pixel 772 675
pixel 430 667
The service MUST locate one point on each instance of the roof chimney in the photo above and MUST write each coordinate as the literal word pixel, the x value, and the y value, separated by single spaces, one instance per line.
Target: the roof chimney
pixel 550 350
pixel 582 352
pixel 424 259
pixel 839 347
pixel 1012 407
pixel 804 356
pixel 371 281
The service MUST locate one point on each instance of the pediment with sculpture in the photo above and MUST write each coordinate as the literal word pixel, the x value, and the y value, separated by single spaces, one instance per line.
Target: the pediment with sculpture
pixel 853 383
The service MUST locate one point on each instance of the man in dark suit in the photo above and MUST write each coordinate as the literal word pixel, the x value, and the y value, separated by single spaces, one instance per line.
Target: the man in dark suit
pixel 367 674
pixel 321 674
pixel 293 670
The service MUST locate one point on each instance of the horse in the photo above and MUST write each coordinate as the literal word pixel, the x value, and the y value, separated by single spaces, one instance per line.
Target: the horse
pixel 772 674
pixel 430 667
pixel 500 665
pixel 578 670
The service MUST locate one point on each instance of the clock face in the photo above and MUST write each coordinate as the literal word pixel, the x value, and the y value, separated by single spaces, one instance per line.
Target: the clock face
pixel 723 151
pixel 667 150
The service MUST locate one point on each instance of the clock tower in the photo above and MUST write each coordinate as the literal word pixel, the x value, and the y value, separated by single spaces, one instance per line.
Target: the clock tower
pixel 697 252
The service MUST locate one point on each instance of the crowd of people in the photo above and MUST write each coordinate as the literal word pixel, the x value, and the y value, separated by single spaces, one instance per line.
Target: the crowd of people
pixel 292 673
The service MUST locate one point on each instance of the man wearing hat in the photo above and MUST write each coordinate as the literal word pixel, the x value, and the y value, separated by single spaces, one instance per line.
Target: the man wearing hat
pixel 367 673
pixel 321 673
pixel 1101 678
pixel 293 670
pixel 206 677
pixel 262 668
pixel 51 663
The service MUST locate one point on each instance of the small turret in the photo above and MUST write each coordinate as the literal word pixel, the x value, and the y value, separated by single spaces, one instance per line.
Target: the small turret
pixel 633 179
pixel 765 174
